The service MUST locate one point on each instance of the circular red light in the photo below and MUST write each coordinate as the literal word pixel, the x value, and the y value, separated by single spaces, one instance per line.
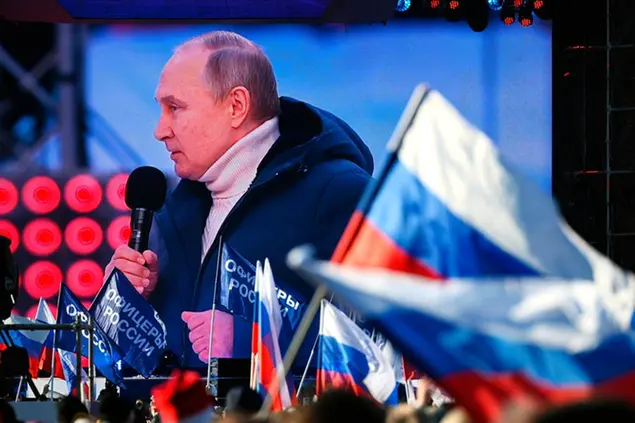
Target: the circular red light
pixel 8 196
pixel 83 193
pixel 518 3
pixel 538 4
pixel 32 311
pixel 116 191
pixel 118 231
pixel 454 4
pixel 85 278
pixel 41 195
pixel 8 230
pixel 41 237
pixel 42 279
pixel 435 3
pixel 83 235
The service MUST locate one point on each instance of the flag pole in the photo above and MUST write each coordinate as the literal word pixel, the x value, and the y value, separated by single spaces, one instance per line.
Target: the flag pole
pixel 419 94
pixel 57 320
pixel 213 316
pixel 306 368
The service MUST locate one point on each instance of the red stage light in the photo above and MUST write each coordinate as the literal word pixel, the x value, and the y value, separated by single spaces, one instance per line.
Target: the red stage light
pixel 85 278
pixel 118 231
pixel 42 279
pixel 454 4
pixel 538 4
pixel 83 193
pixel 435 3
pixel 518 3
pixel 116 191
pixel 41 237
pixel 525 22
pixel 83 235
pixel 9 196
pixel 32 311
pixel 41 195
pixel 8 230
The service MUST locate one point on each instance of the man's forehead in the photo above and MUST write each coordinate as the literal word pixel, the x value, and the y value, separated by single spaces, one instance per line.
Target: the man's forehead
pixel 183 70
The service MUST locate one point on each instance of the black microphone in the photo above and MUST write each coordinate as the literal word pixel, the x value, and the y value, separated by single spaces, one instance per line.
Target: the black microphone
pixel 145 194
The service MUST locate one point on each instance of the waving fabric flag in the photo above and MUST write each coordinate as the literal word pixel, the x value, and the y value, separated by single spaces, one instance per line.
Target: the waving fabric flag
pixel 67 360
pixel 237 277
pixel 349 359
pixel 525 307
pixel 106 356
pixel 130 323
pixel 31 340
pixel 266 355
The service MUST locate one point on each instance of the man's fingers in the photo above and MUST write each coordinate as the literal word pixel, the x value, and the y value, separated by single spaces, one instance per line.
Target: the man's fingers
pixel 136 281
pixel 131 268
pixel 200 345
pixel 127 253
pixel 151 259
pixel 199 319
pixel 196 335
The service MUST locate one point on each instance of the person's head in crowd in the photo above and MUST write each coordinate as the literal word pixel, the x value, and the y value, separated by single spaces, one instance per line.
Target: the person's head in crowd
pixel 338 406
pixel 7 413
pixel 141 412
pixel 405 413
pixel 303 414
pixel 69 408
pixel 242 400
pixel 114 409
pixel 594 410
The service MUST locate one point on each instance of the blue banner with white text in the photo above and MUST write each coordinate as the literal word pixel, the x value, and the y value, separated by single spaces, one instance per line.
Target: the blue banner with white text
pixel 106 357
pixel 236 290
pixel 130 322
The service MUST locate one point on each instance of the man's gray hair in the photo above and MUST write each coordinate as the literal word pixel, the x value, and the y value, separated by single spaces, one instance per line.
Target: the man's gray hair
pixel 236 61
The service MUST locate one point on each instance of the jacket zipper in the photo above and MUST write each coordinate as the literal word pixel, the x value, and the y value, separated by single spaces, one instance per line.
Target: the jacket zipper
pixel 214 245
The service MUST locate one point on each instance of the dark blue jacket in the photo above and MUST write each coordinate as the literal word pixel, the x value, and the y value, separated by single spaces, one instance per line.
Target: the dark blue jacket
pixel 305 191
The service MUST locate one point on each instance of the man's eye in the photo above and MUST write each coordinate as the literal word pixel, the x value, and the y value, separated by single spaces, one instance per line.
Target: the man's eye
pixel 173 107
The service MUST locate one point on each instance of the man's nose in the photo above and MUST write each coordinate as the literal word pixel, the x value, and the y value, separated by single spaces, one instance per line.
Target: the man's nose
pixel 163 130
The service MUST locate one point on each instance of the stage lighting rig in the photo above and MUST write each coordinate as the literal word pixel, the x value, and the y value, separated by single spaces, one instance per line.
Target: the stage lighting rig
pixel 495 5
pixel 508 14
pixel 403 5
pixel 477 12
pixel 525 16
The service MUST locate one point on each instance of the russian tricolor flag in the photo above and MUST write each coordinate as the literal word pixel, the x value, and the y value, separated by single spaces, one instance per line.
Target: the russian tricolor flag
pixel 65 361
pixel 31 340
pixel 525 306
pixel 349 359
pixel 266 355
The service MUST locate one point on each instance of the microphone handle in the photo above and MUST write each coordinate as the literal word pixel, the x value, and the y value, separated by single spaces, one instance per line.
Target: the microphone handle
pixel 140 225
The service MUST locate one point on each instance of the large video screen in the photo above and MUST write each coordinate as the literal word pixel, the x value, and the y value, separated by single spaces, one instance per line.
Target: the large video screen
pixel 499 79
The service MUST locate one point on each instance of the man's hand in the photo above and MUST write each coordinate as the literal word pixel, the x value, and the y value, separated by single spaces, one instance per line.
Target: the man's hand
pixel 142 270
pixel 199 324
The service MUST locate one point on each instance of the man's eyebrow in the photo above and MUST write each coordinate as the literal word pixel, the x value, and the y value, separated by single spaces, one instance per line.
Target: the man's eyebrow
pixel 170 99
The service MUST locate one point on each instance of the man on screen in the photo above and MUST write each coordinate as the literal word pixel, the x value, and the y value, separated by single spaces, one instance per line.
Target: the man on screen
pixel 263 173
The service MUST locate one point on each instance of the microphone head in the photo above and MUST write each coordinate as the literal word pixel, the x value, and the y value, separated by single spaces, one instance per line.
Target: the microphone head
pixel 146 188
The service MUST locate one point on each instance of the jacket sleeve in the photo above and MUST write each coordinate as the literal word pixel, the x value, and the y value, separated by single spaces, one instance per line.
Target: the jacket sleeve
pixel 337 203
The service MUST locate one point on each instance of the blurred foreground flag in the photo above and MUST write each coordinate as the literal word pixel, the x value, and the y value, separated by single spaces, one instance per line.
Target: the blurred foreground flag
pixel 266 357
pixel 524 307
pixel 349 359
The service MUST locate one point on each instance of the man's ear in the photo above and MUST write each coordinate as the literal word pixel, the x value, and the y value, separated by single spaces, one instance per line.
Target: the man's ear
pixel 239 100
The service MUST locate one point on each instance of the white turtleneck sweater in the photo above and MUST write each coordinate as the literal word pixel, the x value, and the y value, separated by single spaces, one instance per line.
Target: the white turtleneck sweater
pixel 232 174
